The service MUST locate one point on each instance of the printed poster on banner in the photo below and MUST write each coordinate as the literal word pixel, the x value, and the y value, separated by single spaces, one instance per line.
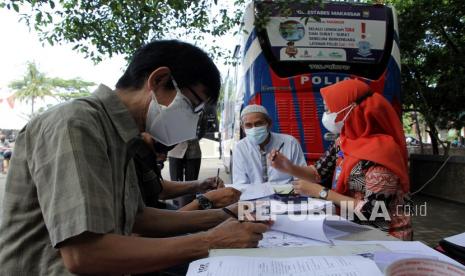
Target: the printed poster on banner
pixel 358 36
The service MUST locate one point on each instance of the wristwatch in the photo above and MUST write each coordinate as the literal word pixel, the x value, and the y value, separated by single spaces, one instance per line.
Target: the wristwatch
pixel 323 193
pixel 204 202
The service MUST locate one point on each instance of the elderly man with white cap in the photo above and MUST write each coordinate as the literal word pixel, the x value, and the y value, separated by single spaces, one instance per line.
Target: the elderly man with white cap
pixel 250 154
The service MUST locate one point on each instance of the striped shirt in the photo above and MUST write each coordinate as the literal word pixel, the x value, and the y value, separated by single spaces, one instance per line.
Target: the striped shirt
pixel 71 172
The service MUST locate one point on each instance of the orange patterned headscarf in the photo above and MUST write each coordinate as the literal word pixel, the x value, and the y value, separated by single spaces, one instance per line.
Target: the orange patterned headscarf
pixel 372 131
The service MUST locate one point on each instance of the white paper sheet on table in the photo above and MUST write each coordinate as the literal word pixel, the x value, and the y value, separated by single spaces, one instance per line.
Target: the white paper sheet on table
pixel 298 266
pixel 254 191
pixel 273 239
pixel 259 190
pixel 407 247
pixel 457 239
pixel 318 227
pixel 384 259
pixel 302 206
pixel 321 249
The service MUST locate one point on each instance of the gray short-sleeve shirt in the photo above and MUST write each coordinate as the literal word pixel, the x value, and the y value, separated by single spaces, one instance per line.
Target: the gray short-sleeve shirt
pixel 71 172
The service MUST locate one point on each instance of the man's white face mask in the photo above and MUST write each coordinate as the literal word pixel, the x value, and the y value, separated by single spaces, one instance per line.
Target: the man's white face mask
pixel 174 123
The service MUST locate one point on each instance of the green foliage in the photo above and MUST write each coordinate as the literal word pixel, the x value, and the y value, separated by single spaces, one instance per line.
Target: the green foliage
pixel 432 38
pixel 102 28
pixel 432 42
pixel 36 84
pixel 284 9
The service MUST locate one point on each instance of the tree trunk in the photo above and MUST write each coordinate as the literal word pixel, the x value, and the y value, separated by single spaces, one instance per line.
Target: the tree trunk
pixel 433 133
pixel 32 106
pixel 418 131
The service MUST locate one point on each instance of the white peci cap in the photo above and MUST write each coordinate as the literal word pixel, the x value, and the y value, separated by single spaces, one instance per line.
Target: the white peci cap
pixel 254 108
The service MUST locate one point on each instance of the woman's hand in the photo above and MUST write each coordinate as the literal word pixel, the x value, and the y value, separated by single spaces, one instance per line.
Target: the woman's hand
pixel 306 188
pixel 280 162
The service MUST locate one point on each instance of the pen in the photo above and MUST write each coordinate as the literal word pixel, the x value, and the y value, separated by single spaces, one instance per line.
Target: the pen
pixel 280 147
pixel 217 177
pixel 229 212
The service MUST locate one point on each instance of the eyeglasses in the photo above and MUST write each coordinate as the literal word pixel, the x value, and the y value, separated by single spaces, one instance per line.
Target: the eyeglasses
pixel 199 107
pixel 196 108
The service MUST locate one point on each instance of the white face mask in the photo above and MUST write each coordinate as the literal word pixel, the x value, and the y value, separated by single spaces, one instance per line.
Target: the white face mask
pixel 257 135
pixel 329 120
pixel 173 124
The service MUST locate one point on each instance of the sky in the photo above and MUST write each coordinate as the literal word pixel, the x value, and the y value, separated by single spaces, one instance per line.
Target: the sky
pixel 20 46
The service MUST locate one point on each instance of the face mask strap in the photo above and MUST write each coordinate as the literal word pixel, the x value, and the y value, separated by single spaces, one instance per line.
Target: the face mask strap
pixel 175 84
pixel 351 106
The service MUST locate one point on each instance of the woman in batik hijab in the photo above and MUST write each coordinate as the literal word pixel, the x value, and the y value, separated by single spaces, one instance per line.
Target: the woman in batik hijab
pixel 367 165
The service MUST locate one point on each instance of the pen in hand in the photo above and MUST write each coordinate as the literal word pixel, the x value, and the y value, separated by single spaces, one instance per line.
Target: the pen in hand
pixel 217 177
pixel 231 213
pixel 280 147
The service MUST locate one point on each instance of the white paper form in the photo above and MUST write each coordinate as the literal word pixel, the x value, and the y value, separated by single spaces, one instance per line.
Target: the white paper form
pixel 457 239
pixel 255 191
pixel 364 250
pixel 302 206
pixel 299 266
pixel 318 227
pixel 273 239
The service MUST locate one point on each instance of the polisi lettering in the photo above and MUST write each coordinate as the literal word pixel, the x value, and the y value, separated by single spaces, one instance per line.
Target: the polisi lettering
pixel 317 80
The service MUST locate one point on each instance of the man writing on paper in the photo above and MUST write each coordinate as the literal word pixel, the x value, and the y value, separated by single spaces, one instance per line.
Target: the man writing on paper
pixel 71 198
pixel 250 154
pixel 211 192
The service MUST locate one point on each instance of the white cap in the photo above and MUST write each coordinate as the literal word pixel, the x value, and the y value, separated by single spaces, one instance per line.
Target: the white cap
pixel 254 108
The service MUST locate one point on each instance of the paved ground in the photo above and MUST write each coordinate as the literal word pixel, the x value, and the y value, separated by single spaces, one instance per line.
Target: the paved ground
pixel 442 218
pixel 2 191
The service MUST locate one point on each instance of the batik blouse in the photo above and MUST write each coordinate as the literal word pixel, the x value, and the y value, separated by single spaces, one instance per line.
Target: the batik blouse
pixel 372 185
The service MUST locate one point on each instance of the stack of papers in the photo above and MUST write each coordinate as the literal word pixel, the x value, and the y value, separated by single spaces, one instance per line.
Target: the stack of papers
pixel 323 228
pixel 412 248
pixel 260 190
pixel 457 239
pixel 297 266
pixel 423 266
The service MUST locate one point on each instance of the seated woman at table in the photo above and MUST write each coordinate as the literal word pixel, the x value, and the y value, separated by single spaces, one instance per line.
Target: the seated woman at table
pixel 366 167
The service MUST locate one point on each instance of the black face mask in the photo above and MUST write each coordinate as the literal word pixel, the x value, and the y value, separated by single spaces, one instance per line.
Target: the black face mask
pixel 160 165
pixel 162 149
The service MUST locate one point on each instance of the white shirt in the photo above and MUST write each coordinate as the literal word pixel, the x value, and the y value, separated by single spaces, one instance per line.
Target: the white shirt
pixel 247 165
pixel 179 150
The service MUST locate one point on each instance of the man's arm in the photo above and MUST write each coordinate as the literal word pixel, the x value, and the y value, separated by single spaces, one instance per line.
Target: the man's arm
pixel 98 254
pixel 154 222
pixel 219 198
pixel 239 171
pixel 172 189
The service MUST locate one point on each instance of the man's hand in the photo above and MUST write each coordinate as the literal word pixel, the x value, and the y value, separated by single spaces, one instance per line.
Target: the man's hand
pixel 223 197
pixel 210 183
pixel 234 234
